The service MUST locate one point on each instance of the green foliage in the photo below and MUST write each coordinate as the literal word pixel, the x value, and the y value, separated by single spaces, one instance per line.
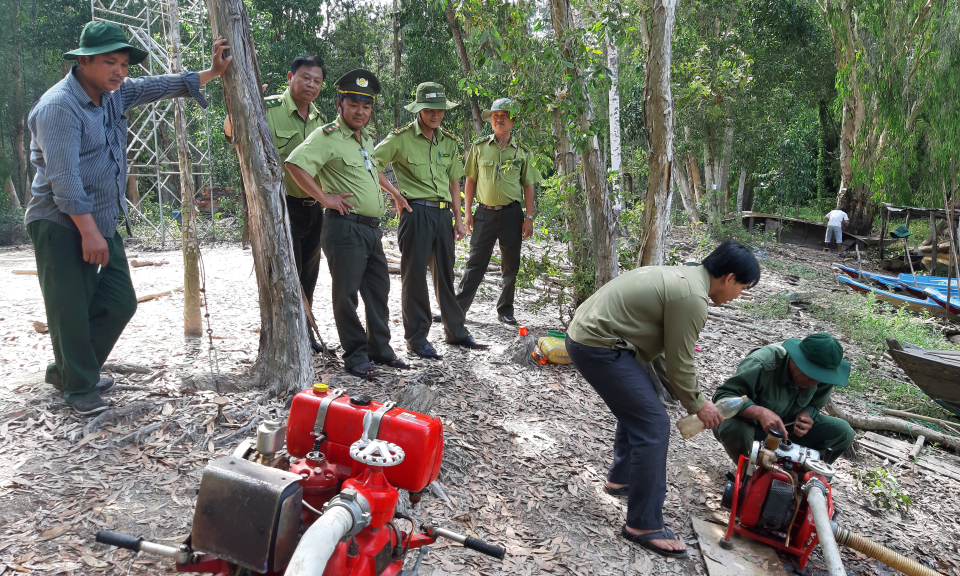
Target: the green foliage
pixel 775 306
pixel 12 230
pixel 883 488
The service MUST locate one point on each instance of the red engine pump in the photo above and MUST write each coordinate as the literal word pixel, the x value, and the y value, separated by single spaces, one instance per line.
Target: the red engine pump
pixel 766 498
pixel 249 515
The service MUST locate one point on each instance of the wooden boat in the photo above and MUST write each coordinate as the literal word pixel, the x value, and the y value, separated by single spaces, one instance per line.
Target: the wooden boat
pixel 796 230
pixel 936 372
pixel 897 300
pixel 888 282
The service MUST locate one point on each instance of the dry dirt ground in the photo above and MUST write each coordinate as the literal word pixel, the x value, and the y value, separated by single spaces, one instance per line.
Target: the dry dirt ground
pixel 526 447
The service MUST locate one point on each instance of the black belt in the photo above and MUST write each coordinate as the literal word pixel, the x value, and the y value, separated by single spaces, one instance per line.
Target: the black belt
pixel 365 220
pixel 496 208
pixel 303 201
pixel 431 203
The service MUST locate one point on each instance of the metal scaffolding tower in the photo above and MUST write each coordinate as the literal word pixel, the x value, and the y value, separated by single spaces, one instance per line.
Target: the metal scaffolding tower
pixel 154 170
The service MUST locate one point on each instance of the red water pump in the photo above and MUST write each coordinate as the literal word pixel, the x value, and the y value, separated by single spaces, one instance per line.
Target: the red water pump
pixel 317 496
pixel 777 494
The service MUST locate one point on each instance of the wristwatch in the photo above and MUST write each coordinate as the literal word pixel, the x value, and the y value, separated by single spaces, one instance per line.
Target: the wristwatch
pixel 528 216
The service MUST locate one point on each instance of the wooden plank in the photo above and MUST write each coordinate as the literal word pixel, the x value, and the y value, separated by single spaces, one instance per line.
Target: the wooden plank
pixel 748 557
pixel 899 451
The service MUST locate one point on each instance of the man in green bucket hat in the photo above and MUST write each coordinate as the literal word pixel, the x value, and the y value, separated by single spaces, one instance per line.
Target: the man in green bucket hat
pixel 787 382
pixel 78 132
pixel 426 162
pixel 500 174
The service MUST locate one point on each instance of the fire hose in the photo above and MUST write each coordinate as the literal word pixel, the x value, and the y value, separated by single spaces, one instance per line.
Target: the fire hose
pixel 816 499
pixel 318 542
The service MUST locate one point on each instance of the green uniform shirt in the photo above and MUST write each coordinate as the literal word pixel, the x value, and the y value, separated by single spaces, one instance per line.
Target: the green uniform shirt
pixel 289 130
pixel 654 311
pixel 764 378
pixel 424 168
pixel 501 175
pixel 334 157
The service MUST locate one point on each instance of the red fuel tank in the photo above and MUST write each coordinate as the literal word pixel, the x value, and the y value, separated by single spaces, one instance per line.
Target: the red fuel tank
pixel 420 436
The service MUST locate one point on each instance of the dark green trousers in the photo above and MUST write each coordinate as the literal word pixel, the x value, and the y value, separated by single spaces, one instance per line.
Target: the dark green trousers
pixel 425 237
pixel 358 266
pixel 738 434
pixel 489 227
pixel 86 311
pixel 306 227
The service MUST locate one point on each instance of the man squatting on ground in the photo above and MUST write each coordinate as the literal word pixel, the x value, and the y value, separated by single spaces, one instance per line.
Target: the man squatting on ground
pixel 332 165
pixel 790 381
pixel 500 175
pixel 291 117
pixel 78 145
pixel 425 161
pixel 652 314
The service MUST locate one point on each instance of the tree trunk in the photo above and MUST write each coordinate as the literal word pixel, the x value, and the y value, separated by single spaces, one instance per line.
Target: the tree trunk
pixel 743 182
pixel 16 103
pixel 11 192
pixel 596 194
pixel 658 116
pixel 397 60
pixel 725 166
pixel 465 66
pixel 613 107
pixel 686 195
pixel 192 320
pixel 285 360
pixel 133 187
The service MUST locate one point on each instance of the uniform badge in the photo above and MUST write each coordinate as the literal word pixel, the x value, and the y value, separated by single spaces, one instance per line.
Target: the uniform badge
pixel 363 82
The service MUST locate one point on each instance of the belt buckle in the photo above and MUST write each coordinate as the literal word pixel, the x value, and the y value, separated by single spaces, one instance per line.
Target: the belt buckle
pixel 309 202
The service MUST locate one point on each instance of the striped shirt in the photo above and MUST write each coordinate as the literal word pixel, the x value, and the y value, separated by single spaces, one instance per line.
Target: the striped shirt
pixel 80 149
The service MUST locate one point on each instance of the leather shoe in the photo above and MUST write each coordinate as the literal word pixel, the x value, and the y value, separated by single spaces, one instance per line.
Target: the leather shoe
pixel 425 351
pixel 470 343
pixel 318 347
pixel 506 319
pixel 437 319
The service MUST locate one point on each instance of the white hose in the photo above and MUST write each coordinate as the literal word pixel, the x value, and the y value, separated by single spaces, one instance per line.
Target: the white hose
pixel 828 543
pixel 319 541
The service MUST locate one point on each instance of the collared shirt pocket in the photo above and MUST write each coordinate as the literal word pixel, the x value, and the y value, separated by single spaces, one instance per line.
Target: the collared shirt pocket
pixel 286 140
pixel 420 168
pixel 487 169
pixel 510 171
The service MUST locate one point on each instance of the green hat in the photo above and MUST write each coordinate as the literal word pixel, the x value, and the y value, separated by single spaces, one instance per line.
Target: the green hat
pixel 359 84
pixel 504 104
pixel 102 38
pixel 820 357
pixel 430 96
pixel 901 232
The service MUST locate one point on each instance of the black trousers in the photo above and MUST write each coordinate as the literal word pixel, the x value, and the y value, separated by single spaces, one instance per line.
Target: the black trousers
pixel 489 227
pixel 306 226
pixel 425 237
pixel 643 428
pixel 357 265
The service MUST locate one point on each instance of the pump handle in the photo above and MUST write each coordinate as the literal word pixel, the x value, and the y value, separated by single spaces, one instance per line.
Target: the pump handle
pixel 484 548
pixel 119 540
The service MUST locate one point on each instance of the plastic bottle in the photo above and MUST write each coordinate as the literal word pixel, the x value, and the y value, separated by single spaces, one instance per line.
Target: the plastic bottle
pixel 690 426
pixel 539 357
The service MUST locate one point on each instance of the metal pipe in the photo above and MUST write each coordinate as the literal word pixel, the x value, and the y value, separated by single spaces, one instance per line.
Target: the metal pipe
pixel 817 501
pixel 883 554
pixel 319 541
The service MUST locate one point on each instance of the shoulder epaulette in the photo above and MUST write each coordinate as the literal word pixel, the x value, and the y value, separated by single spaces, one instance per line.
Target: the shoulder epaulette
pixel 448 134
pixel 331 127
pixel 480 140
pixel 402 129
pixel 273 101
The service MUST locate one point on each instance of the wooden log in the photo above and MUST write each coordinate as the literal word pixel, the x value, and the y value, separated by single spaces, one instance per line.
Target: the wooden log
pixel 158 295
pixel 915 451
pixel 894 425
pixel 902 414
pixel 25 272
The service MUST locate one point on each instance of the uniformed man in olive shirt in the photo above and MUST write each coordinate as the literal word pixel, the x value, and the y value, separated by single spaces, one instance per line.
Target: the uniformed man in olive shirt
pixel 334 165
pixel 790 381
pixel 500 174
pixel 652 314
pixel 424 158
pixel 292 117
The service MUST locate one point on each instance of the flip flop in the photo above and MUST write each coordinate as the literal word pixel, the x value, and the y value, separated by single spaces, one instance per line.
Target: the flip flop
pixel 622 491
pixel 644 541
pixel 394 362
pixel 365 371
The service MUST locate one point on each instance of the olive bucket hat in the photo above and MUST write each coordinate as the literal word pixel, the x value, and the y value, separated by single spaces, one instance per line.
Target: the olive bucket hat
pixel 102 38
pixel 500 104
pixel 430 96
pixel 820 357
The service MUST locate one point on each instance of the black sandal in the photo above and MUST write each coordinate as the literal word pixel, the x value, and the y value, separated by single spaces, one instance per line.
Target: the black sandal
pixel 644 541
pixel 365 371
pixel 621 491
pixel 394 362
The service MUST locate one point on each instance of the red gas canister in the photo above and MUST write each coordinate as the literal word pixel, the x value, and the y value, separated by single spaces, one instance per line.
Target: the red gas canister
pixel 341 422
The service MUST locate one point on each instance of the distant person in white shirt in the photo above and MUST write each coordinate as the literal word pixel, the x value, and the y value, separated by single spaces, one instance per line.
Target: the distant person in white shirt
pixel 836 220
